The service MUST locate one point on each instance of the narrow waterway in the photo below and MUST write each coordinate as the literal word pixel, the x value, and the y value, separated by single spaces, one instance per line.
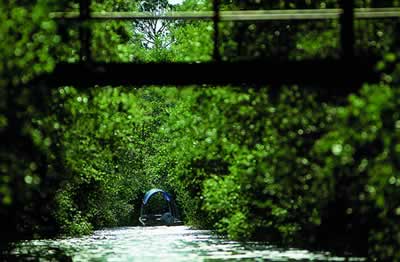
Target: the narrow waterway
pixel 158 244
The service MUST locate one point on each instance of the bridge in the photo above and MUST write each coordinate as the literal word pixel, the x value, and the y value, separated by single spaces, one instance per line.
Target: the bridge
pixel 346 73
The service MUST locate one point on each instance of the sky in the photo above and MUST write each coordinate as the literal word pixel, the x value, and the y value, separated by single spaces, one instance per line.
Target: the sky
pixel 175 2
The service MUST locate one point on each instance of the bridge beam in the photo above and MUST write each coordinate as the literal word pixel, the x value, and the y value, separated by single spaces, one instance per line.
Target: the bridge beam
pixel 321 74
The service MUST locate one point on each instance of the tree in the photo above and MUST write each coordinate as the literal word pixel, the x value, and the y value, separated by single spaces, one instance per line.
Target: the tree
pixel 154 33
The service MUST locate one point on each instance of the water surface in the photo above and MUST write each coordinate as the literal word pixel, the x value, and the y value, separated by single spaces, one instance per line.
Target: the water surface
pixel 179 243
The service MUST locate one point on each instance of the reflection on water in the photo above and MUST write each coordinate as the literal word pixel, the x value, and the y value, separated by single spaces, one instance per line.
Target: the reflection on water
pixel 159 244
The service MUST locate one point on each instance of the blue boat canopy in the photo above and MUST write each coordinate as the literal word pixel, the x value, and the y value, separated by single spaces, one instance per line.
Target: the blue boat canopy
pixel 153 191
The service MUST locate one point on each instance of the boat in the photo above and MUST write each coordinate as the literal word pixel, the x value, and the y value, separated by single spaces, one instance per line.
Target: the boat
pixel 166 215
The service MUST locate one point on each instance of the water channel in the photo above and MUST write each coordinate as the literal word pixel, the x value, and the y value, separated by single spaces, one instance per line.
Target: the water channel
pixel 178 243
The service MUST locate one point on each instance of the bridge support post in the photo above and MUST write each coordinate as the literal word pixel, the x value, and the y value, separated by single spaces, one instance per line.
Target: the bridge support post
pixel 216 20
pixel 85 31
pixel 347 30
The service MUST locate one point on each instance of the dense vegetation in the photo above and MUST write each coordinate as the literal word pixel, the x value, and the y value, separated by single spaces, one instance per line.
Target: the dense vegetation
pixel 291 166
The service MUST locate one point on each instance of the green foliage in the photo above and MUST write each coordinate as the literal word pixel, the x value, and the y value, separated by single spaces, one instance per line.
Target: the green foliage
pixel 27 38
pixel 224 200
pixel 68 216
pixel 105 141
pixel 27 151
pixel 360 156
pixel 235 163
pixel 199 48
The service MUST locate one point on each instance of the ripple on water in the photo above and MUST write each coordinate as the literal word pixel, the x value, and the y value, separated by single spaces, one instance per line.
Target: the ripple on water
pixel 179 243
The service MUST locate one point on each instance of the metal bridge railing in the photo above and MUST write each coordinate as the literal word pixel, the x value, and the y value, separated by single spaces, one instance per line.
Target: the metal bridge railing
pixel 244 15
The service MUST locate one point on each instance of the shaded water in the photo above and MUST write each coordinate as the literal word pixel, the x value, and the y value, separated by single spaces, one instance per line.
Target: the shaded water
pixel 159 244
